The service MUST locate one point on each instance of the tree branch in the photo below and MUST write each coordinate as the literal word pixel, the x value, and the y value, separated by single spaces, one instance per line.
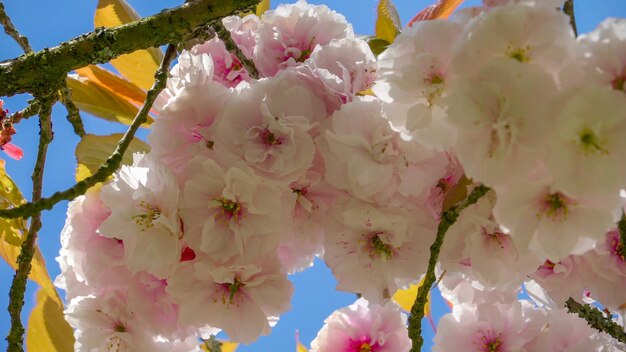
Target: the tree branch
pixel 568 9
pixel 36 72
pixel 113 162
pixel 73 114
pixel 448 218
pixel 31 110
pixel 232 47
pixel 18 287
pixel 596 319
pixel 9 29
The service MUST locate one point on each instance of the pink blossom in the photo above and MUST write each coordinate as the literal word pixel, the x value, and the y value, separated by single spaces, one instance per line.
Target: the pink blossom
pixel 288 35
pixel 374 250
pixel 244 296
pixel 363 326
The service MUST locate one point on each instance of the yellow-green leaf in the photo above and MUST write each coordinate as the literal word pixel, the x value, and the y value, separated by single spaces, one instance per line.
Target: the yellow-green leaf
pixel 139 67
pixel 225 346
pixel 263 6
pixel 406 297
pixel 387 21
pixel 94 99
pixel 47 330
pixel 114 83
pixel 93 150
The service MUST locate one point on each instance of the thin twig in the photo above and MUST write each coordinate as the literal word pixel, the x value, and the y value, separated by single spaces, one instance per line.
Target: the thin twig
pixel 18 287
pixel 568 9
pixel 73 114
pixel 113 162
pixel 621 227
pixel 448 218
pixel 9 29
pixel 596 319
pixel 31 110
pixel 232 47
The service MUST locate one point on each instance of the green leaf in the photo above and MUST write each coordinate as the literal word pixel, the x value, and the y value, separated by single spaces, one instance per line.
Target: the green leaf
pixel 388 23
pixel 377 45
pixel 47 329
pixel 93 150
pixel 140 66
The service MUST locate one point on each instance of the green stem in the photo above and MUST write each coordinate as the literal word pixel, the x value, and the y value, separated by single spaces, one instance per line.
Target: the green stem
pixel 36 72
pixel 18 287
pixel 596 319
pixel 448 218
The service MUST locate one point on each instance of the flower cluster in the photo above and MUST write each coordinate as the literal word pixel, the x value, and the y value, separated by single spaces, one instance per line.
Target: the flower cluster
pixel 248 180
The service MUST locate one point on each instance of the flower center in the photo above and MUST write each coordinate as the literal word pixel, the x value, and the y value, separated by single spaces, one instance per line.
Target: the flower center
pixel 269 138
pixel 365 347
pixel 491 344
pixel 615 245
pixel 379 249
pixel 555 206
pixel 591 143
pixel 230 209
pixel 232 289
pixel 146 219
pixel 519 54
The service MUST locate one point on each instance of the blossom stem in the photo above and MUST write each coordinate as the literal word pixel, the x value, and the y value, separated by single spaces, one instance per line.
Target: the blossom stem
pixel 568 9
pixel 448 218
pixel 18 287
pixel 35 72
pixel 596 319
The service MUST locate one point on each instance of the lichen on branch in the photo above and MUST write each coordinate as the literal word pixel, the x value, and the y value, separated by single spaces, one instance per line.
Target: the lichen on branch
pixel 36 72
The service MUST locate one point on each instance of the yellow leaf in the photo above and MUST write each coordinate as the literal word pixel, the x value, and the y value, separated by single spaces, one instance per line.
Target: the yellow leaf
pixel 139 67
pixel 406 297
pixel 387 21
pixel 99 101
pixel 440 9
pixel 47 330
pixel 93 150
pixel 263 6
pixel 300 348
pixel 13 231
pixel 116 84
pixel 228 346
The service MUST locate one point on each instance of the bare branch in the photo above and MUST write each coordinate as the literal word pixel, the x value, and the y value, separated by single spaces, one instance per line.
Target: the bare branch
pixel 568 9
pixel 18 287
pixel 113 162
pixel 36 72
pixel 596 319
pixel 448 218
pixel 232 47
pixel 73 114
pixel 9 29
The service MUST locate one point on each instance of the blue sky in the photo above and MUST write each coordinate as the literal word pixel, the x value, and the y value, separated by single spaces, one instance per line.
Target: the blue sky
pixel 48 23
